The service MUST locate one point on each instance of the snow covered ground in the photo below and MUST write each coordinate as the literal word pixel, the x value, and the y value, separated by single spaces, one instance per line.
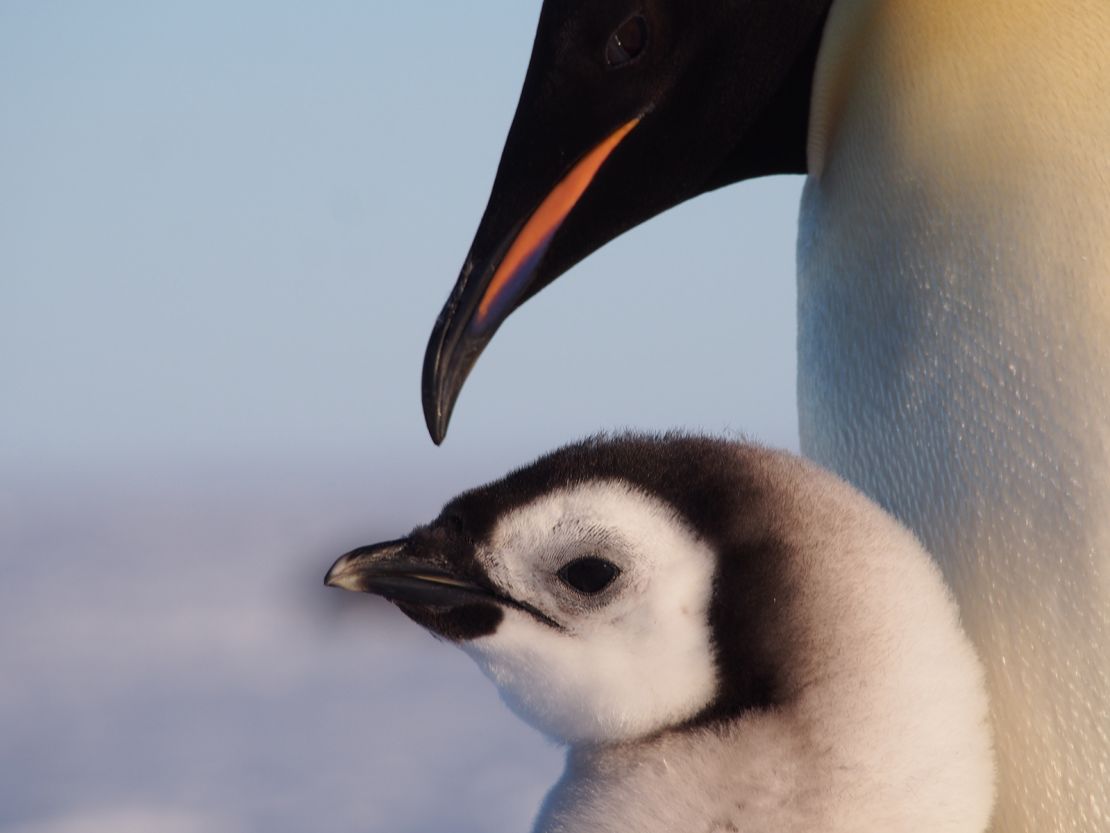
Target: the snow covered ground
pixel 170 662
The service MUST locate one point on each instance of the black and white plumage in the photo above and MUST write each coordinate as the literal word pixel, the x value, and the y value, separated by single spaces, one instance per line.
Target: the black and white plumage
pixel 953 301
pixel 727 639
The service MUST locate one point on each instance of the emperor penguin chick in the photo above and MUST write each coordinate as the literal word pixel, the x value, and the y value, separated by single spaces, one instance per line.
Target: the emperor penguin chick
pixel 726 638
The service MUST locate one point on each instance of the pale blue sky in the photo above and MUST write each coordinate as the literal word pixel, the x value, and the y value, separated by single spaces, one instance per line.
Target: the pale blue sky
pixel 227 229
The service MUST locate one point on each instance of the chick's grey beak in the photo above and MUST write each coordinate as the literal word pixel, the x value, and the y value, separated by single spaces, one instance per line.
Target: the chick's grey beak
pixel 389 570
pixel 349 570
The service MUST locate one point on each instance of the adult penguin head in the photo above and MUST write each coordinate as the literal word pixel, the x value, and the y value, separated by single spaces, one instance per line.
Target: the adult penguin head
pixel 629 107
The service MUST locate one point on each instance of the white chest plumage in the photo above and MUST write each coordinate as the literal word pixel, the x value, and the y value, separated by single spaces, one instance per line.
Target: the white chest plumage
pixel 954 344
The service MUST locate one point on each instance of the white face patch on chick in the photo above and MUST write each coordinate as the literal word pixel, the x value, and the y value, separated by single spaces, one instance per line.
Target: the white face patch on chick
pixel 629 659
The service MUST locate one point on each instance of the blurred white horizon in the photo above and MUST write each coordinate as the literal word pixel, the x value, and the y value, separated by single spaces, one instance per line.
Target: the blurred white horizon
pixel 225 234
pixel 173 661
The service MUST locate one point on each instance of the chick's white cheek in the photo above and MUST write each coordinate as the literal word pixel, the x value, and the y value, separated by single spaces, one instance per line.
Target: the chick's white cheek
pixel 606 686
pixel 542 676
pixel 634 659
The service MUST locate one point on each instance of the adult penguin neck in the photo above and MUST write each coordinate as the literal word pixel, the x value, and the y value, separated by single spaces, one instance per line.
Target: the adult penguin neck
pixel 776 142
pixel 954 343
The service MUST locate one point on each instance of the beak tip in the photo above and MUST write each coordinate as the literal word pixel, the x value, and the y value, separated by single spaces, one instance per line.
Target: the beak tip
pixel 439 434
pixel 342 577
pixel 436 418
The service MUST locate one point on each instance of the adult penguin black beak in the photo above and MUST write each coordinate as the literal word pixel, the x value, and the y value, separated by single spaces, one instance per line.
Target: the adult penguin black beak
pixel 629 107
pixel 492 285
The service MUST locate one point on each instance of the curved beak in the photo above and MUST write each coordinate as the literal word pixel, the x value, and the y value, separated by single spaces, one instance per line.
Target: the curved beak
pixel 389 570
pixel 499 272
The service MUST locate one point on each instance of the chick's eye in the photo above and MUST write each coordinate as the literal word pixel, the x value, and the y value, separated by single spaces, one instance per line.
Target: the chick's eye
pixel 589 574
pixel 627 42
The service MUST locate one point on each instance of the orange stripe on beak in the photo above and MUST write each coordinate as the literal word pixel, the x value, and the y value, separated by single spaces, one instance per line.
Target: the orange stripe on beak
pixel 542 225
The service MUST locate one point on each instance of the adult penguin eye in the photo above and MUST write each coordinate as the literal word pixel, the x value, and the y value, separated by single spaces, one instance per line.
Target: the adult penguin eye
pixel 589 574
pixel 626 44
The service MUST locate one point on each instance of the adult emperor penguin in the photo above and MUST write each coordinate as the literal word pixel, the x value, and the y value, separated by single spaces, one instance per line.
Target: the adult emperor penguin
pixel 727 638
pixel 953 288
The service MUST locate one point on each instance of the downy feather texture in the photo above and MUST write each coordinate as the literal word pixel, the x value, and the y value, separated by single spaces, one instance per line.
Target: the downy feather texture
pixel 774 652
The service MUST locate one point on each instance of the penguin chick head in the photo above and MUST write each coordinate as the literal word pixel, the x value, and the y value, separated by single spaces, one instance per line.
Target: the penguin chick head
pixel 584 587
pixel 627 586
